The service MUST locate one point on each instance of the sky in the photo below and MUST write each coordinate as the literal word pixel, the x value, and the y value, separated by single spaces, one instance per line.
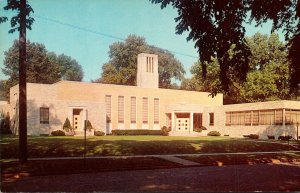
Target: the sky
pixel 85 29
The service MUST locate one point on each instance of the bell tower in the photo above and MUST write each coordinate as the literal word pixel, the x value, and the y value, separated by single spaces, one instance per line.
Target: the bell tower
pixel 147 70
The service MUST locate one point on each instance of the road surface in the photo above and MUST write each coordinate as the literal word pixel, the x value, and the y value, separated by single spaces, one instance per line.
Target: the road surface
pixel 258 177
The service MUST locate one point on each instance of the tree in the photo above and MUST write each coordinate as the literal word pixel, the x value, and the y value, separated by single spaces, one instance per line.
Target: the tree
pixel 20 22
pixel 215 25
pixel 69 68
pixel 42 66
pixel 268 76
pixel 122 66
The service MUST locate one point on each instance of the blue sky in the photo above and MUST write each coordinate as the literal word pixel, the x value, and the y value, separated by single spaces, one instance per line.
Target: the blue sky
pixel 105 18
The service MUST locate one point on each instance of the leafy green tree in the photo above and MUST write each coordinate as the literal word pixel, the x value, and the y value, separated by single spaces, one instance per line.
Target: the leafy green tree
pixel 192 84
pixel 69 68
pixel 42 66
pixel 122 66
pixel 39 67
pixel 215 25
pixel 268 76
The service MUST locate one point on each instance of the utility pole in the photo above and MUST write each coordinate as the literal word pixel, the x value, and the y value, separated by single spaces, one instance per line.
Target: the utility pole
pixel 22 85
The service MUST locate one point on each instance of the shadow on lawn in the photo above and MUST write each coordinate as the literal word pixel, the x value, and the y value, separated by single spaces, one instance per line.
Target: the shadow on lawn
pixel 100 146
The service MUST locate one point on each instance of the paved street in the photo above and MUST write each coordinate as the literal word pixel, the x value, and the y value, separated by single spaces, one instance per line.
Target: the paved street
pixel 259 177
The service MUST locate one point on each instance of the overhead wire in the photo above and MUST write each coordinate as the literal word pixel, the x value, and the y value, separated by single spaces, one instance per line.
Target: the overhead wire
pixel 104 34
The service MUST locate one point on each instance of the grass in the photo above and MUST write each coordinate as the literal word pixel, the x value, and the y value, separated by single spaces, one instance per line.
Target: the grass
pixel 219 160
pixel 13 169
pixel 134 145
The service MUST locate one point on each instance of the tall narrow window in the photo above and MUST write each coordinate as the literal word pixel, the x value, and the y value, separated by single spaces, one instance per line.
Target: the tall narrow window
pixel 108 108
pixel 133 109
pixel 255 117
pixel 211 119
pixel 147 62
pixel 278 117
pixel 121 109
pixel 152 64
pixel 247 118
pixel 145 110
pixel 156 111
pixel 44 115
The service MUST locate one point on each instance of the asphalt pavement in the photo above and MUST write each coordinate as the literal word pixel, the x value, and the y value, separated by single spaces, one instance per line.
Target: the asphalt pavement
pixel 257 177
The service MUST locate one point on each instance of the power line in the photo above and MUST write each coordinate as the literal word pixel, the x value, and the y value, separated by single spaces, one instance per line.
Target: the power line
pixel 102 34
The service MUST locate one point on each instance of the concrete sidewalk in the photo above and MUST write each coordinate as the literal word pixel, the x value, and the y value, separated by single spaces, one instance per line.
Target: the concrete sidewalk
pixel 155 155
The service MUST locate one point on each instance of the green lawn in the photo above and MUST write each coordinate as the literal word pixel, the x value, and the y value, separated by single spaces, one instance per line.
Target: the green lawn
pixel 219 160
pixel 134 145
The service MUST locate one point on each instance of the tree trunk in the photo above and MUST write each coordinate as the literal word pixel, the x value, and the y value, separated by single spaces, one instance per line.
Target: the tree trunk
pixel 22 85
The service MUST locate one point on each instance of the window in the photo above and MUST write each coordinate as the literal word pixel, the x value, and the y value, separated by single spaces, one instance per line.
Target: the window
pixel 149 64
pixel 121 109
pixel 292 116
pixel 211 119
pixel 108 108
pixel 266 117
pixel 133 109
pixel 247 117
pixel 145 110
pixel 152 64
pixel 156 111
pixel 278 117
pixel 255 117
pixel 44 115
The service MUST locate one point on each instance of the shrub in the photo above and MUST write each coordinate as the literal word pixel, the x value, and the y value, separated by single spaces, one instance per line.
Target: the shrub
pixel 199 129
pixel 89 126
pixel 165 130
pixel 214 133
pixel 285 138
pixel 136 132
pixel 58 133
pixel 253 136
pixel 271 137
pixel 99 133
pixel 5 123
pixel 67 126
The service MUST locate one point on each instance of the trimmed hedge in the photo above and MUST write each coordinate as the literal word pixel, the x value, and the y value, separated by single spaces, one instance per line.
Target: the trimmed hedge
pixel 199 129
pixel 99 133
pixel 136 132
pixel 253 136
pixel 285 138
pixel 214 133
pixel 58 133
